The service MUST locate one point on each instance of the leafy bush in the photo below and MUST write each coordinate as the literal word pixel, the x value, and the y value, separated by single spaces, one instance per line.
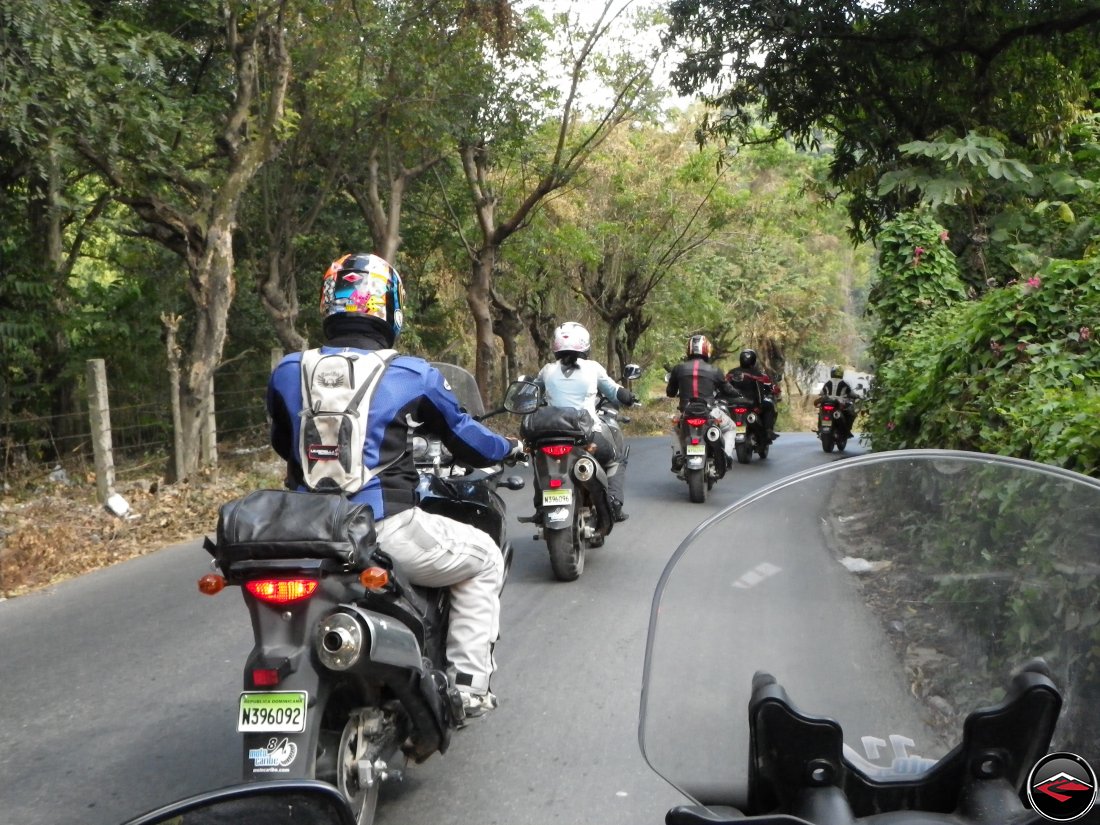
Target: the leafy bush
pixel 1016 373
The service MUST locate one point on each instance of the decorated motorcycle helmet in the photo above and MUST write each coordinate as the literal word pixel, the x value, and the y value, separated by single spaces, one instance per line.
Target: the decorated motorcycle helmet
pixel 364 286
pixel 699 346
pixel 572 339
pixel 836 372
pixel 747 359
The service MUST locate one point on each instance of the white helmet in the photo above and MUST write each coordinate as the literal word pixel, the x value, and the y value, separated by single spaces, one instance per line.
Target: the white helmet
pixel 572 339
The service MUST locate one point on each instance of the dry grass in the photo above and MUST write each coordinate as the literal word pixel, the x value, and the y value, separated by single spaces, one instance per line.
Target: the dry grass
pixel 52 532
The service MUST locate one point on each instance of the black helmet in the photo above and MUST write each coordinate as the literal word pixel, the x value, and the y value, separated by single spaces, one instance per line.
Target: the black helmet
pixel 836 372
pixel 748 358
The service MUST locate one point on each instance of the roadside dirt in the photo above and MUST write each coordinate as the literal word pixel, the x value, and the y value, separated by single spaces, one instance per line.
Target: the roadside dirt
pixel 53 530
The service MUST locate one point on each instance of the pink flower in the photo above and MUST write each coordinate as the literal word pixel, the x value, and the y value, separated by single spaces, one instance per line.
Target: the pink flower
pixel 1085 333
pixel 890 425
pixel 944 236
pixel 1034 282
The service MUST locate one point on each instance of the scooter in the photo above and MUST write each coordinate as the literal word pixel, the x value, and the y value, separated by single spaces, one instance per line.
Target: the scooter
pixel 347 679
pixel 901 637
pixel 573 507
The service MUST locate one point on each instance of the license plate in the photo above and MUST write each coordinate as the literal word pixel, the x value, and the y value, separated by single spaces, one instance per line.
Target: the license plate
pixel 739 426
pixel 696 449
pixel 826 425
pixel 277 711
pixel 556 498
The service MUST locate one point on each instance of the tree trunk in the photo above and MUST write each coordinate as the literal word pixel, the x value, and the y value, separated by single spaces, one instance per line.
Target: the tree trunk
pixel 479 299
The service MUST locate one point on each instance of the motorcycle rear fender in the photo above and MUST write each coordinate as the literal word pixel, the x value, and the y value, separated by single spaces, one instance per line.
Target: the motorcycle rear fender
pixel 695 462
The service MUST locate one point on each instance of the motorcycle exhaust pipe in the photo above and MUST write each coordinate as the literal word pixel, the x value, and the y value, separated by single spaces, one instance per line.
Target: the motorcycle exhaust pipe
pixel 713 434
pixel 751 418
pixel 593 477
pixel 584 470
pixel 352 637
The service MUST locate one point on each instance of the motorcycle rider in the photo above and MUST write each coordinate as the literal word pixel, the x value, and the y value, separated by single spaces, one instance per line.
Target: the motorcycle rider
pixel 754 383
pixel 837 387
pixel 362 309
pixel 572 380
pixel 695 378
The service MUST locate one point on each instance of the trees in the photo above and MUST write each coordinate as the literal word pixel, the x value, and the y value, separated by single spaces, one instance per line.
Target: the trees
pixel 183 160
pixel 505 116
pixel 863 78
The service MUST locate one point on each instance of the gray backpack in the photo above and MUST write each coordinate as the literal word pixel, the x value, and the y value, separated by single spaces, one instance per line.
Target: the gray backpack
pixel 336 395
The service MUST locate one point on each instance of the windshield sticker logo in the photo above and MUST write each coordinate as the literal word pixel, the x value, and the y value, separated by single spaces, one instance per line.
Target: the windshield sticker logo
pixel 275 758
pixel 1062 787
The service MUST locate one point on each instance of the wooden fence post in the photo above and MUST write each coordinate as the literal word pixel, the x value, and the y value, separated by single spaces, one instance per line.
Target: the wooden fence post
pixel 210 433
pixel 99 409
pixel 171 326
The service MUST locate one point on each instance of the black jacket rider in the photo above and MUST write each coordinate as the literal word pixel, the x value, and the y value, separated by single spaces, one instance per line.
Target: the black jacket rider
pixel 695 378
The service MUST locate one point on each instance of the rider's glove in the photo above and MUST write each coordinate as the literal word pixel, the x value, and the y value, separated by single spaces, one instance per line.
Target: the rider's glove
pixel 626 397
pixel 517 453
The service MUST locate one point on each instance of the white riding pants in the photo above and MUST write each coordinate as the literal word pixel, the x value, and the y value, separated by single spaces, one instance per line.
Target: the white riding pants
pixel 435 551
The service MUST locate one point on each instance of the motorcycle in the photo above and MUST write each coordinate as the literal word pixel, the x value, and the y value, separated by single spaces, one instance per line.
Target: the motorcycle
pixel 701 449
pixel 750 436
pixel 834 425
pixel 573 507
pixel 347 678
pixel 910 632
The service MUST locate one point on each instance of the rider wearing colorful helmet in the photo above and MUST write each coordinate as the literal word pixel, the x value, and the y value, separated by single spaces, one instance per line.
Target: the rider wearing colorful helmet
pixel 362 292
pixel 362 306
pixel 572 380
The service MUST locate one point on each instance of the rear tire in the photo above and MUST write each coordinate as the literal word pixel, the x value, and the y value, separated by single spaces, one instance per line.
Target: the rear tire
pixel 762 447
pixel 827 442
pixel 744 452
pixel 697 486
pixel 841 442
pixel 567 549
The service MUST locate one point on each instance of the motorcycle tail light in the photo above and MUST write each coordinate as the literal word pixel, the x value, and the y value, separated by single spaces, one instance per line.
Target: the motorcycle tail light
pixel 740 410
pixel 375 578
pixel 211 584
pixel 697 422
pixel 827 407
pixel 265 677
pixel 555 483
pixel 694 440
pixel 281 591
pixel 557 450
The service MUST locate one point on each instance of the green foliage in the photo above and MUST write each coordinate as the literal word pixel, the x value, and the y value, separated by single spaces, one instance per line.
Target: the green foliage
pixel 1016 372
pixel 917 273
pixel 862 79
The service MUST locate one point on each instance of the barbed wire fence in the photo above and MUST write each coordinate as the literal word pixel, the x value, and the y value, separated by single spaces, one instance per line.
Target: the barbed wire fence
pixel 38 448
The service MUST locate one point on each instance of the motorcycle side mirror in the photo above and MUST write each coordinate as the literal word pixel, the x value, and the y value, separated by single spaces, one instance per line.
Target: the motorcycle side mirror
pixel 290 801
pixel 512 483
pixel 522 397
pixel 631 371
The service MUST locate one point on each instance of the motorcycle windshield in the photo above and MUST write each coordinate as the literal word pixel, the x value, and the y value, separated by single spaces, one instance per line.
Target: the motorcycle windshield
pixel 464 386
pixel 894 593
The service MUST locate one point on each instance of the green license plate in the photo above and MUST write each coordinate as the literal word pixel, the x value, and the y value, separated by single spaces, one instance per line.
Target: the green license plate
pixel 277 711
pixel 556 498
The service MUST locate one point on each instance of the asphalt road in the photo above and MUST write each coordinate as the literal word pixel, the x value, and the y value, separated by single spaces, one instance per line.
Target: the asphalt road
pixel 118 689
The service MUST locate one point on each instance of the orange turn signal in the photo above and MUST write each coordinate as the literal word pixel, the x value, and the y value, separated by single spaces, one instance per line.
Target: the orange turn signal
pixel 211 584
pixel 375 578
